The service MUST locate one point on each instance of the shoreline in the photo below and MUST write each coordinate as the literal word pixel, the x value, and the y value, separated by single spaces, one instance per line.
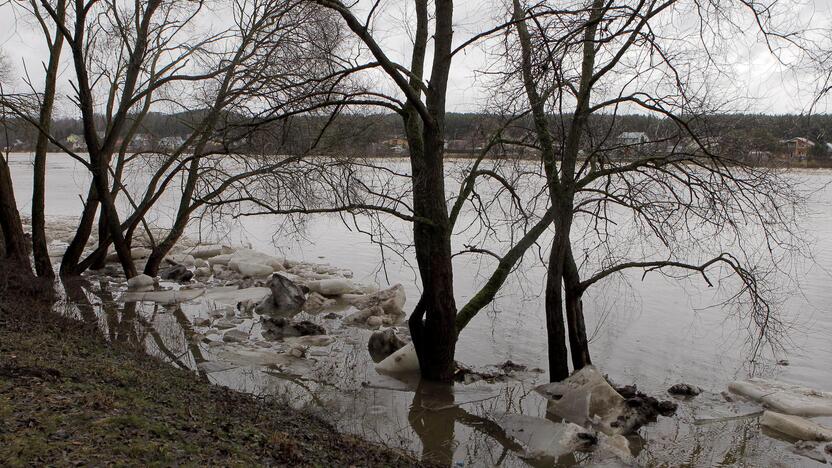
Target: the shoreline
pixel 453 156
pixel 68 395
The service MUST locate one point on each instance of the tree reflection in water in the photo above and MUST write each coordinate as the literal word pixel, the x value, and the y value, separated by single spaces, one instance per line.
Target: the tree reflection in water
pixel 444 427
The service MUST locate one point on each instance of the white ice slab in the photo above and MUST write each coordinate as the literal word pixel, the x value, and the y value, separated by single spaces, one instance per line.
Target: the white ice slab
pixel 785 398
pixel 795 426
pixel 163 297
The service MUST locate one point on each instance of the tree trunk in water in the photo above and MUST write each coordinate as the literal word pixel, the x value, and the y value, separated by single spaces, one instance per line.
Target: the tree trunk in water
pixel 13 237
pixel 578 342
pixel 158 254
pixel 43 264
pixel 72 256
pixel 113 224
pixel 435 336
pixel 182 215
pixel 555 330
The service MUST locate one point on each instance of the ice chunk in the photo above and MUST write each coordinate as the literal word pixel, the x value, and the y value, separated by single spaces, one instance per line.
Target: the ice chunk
pixel 331 287
pixel 183 259
pixel 540 437
pixel 207 251
pixel 219 259
pixel 795 426
pixel 544 438
pixel 163 297
pixel 210 367
pixel 230 295
pixel 136 253
pixel 588 399
pixel 251 269
pixel 402 361
pixel 140 283
pixel 785 398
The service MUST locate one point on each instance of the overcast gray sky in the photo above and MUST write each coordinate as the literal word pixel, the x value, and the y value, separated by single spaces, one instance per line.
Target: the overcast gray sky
pixel 768 85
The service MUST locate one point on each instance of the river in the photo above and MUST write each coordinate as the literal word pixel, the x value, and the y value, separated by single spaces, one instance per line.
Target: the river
pixel 653 331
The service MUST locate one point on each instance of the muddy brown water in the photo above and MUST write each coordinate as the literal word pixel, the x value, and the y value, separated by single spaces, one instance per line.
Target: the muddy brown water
pixel 654 332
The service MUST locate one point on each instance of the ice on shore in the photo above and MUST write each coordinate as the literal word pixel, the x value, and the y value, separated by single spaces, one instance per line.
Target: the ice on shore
pixel 402 361
pixel 785 398
pixel 796 426
pixel 173 296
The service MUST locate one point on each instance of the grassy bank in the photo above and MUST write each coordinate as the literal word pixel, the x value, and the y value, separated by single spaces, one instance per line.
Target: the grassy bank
pixel 69 397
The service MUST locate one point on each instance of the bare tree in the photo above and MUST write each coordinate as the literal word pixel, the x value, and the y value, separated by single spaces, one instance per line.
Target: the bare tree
pixel 681 191
pixel 54 43
pixel 435 323
pixel 130 59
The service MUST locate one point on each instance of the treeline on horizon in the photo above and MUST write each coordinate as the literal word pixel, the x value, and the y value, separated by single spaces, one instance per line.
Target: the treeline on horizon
pixel 368 133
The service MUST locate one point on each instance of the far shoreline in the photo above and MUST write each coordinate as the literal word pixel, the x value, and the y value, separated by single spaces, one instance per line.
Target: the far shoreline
pixel 456 156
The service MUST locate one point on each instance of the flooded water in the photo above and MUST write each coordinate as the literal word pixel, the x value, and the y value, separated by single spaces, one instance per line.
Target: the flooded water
pixel 653 331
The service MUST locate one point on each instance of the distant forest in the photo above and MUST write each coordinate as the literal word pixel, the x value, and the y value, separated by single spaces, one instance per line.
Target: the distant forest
pixel 371 134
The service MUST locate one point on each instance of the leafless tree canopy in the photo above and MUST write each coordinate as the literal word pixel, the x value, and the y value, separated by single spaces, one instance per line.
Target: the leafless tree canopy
pixel 261 82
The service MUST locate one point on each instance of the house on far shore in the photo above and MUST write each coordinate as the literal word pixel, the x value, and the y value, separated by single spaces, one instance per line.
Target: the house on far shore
pixel 397 144
pixel 632 138
pixel 798 147
pixel 75 142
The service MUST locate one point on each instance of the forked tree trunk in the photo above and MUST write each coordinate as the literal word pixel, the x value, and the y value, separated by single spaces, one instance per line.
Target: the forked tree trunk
pixel 562 273
pixel 435 336
pixel 555 330
pixel 554 300
pixel 112 222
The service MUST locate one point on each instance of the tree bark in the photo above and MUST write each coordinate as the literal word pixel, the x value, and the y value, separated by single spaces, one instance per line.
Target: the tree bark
pixel 578 342
pixel 436 342
pixel 72 256
pixel 558 366
pixel 40 251
pixel 183 215
pixel 14 239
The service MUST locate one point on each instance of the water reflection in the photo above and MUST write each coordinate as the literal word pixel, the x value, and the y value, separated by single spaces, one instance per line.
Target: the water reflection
pixel 446 425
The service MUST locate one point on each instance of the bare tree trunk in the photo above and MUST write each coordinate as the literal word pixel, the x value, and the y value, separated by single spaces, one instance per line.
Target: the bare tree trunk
pixel 43 264
pixel 435 337
pixel 578 342
pixel 555 330
pixel 99 259
pixel 14 239
pixel 72 256
pixel 180 223
pixel 109 212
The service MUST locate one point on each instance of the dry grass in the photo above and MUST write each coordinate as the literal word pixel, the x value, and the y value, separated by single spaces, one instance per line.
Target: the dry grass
pixel 69 397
